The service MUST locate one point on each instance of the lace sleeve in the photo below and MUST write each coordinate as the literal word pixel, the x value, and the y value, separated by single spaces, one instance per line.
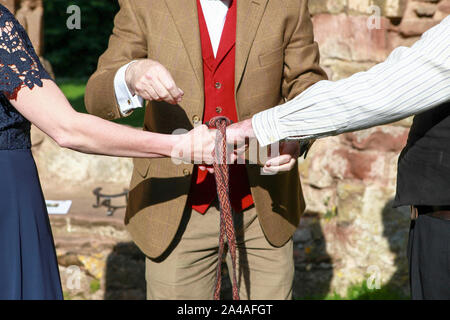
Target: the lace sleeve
pixel 19 64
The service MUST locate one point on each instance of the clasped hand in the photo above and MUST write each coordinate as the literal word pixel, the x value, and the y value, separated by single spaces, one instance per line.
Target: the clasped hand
pixel 152 81
pixel 197 146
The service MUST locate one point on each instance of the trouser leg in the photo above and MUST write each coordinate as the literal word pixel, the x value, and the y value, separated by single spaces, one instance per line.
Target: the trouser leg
pixel 429 258
pixel 264 272
pixel 188 272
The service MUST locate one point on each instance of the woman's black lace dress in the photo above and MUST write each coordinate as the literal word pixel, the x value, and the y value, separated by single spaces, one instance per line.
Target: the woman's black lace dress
pixel 28 266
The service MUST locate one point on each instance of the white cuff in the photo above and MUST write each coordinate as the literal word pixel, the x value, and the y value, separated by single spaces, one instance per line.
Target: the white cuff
pixel 265 127
pixel 126 101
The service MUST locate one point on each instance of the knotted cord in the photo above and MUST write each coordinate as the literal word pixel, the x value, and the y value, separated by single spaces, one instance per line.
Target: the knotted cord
pixel 222 177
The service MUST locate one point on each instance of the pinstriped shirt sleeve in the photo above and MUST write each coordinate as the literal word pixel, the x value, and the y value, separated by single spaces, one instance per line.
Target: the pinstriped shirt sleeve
pixel 410 81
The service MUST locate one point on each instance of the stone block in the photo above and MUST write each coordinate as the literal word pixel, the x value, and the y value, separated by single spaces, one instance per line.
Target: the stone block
pixel 327 6
pixel 349 37
pixel 339 69
pixel 70 168
pixel 384 139
pixel 350 195
pixel 416 27
pixel 443 10
pixel 394 8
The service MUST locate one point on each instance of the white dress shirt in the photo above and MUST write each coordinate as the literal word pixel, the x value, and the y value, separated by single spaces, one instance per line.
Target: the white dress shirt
pixel 215 13
pixel 410 81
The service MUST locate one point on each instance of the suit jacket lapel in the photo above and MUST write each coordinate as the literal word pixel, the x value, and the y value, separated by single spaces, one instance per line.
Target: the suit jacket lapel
pixel 249 15
pixel 185 15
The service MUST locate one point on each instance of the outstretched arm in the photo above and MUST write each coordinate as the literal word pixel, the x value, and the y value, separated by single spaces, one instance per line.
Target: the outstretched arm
pixel 410 81
pixel 49 110
pixel 30 90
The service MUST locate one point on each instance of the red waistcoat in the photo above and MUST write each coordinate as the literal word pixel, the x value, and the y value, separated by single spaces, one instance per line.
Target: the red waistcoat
pixel 219 74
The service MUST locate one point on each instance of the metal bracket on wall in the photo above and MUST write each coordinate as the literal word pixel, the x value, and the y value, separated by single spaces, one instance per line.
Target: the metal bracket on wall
pixel 104 200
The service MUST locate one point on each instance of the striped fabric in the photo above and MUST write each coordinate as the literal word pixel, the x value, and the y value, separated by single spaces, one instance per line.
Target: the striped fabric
pixel 410 81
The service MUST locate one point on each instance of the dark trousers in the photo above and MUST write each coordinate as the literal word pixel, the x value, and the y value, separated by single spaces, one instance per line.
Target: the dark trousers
pixel 429 258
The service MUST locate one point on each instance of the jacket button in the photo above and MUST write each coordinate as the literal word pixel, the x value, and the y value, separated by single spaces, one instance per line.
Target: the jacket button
pixel 218 85
pixel 219 109
pixel 196 119
pixel 129 102
pixel 186 172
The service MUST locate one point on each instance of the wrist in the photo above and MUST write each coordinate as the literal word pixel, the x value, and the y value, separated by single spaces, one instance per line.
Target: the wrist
pixel 129 77
pixel 171 144
pixel 246 130
pixel 249 129
pixel 162 144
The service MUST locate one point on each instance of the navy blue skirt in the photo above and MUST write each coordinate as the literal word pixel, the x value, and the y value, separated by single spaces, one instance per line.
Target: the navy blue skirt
pixel 28 264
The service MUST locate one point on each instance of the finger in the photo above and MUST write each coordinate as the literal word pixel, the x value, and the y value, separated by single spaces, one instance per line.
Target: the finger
pixel 147 91
pixel 142 89
pixel 278 161
pixel 234 139
pixel 241 150
pixel 169 84
pixel 211 170
pixel 162 92
pixel 181 95
pixel 241 158
pixel 209 160
pixel 232 158
pixel 151 93
pixel 282 168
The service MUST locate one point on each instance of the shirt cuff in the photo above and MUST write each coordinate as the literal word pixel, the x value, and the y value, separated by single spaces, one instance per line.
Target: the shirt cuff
pixel 126 101
pixel 265 127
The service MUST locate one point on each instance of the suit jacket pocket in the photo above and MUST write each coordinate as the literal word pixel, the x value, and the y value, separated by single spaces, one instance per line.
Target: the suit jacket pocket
pixel 272 57
pixel 142 165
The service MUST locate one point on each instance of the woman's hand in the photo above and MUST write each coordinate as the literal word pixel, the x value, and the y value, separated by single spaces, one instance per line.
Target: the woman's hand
pixel 196 146
pixel 289 153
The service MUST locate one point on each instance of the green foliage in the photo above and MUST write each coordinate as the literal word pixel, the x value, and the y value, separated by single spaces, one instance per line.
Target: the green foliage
pixel 331 212
pixel 67 296
pixel 74 53
pixel 74 90
pixel 362 292
pixel 94 286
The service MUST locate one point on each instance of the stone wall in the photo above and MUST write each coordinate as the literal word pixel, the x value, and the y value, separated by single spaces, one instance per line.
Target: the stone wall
pixel 350 232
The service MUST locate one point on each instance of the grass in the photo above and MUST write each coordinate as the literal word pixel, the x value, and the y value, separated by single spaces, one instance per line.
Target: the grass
pixel 74 91
pixel 362 292
pixel 94 286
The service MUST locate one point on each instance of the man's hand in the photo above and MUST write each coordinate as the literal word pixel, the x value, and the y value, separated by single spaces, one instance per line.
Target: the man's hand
pixel 239 135
pixel 289 153
pixel 150 80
